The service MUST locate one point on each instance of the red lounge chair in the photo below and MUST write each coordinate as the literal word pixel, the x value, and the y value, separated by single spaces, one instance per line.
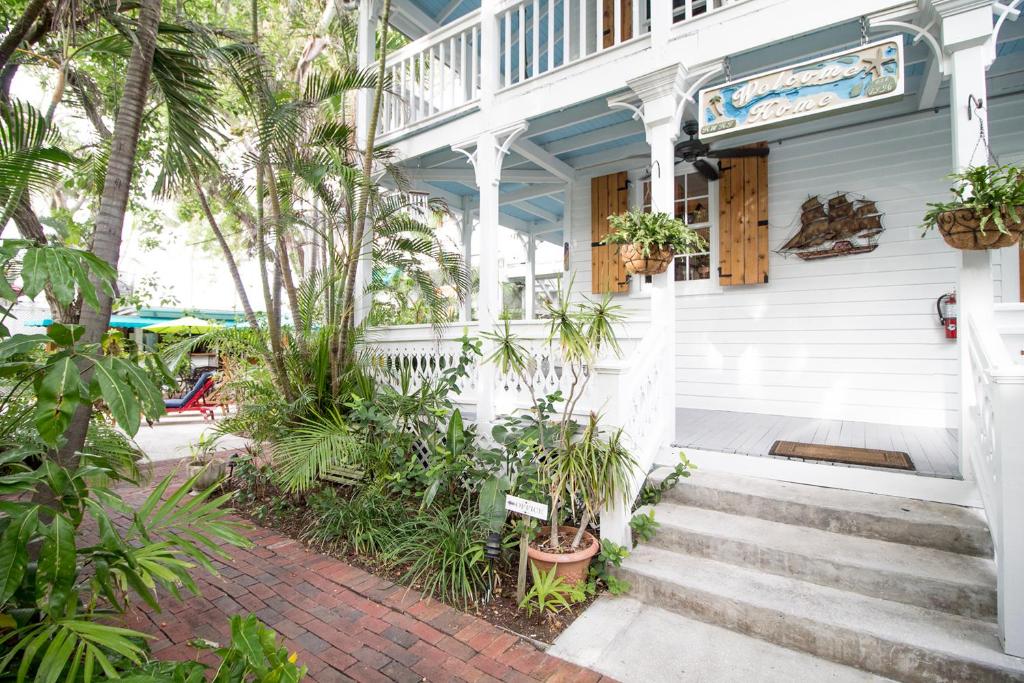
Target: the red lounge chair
pixel 195 399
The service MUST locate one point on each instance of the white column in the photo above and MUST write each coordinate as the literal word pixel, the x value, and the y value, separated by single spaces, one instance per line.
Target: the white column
pixel 661 24
pixel 366 39
pixel 466 314
pixel 570 188
pixel 530 291
pixel 489 52
pixel 366 45
pixel 964 36
pixel 489 301
pixel 662 137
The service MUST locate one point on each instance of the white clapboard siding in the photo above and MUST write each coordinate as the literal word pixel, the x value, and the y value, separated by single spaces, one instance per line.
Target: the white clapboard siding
pixel 853 337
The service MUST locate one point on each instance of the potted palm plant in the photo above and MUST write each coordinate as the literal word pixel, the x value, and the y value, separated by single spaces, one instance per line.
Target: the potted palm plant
pixel 649 241
pixel 579 469
pixel 987 211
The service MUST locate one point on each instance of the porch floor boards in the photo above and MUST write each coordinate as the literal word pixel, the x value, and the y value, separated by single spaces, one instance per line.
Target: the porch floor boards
pixel 933 450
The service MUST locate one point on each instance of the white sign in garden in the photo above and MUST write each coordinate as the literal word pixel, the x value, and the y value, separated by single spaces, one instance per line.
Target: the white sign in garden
pixel 863 75
pixel 523 506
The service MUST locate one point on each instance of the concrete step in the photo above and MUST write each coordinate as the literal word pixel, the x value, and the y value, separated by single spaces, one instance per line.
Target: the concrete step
pixel 887 638
pixel 935 579
pixel 888 518
pixel 627 640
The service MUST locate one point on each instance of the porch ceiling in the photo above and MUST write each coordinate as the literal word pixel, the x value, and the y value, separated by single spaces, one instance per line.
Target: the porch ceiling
pixel 416 18
pixel 591 138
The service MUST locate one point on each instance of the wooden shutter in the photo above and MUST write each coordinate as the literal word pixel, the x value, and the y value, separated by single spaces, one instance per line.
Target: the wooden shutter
pixel 608 21
pixel 743 221
pixel 609 195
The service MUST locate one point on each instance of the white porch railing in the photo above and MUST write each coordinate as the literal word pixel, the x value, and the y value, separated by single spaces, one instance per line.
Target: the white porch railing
pixel 427 352
pixel 993 441
pixel 538 36
pixel 638 396
pixel 434 75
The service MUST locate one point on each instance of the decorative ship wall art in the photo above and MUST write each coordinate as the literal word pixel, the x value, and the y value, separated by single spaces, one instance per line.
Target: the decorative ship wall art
pixel 837 225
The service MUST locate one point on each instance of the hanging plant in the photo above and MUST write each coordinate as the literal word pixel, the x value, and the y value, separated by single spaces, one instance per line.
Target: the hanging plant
pixel 987 212
pixel 649 241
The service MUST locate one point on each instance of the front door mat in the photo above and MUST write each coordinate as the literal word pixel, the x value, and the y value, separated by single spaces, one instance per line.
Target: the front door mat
pixel 847 455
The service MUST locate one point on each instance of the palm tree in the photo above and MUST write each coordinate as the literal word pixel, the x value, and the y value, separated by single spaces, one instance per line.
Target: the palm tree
pixel 114 200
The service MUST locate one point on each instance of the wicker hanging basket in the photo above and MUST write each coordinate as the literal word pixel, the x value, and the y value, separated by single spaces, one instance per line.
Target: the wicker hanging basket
pixel 638 264
pixel 961 230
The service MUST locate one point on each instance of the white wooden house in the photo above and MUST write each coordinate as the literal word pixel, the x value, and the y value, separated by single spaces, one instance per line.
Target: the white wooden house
pixel 546 116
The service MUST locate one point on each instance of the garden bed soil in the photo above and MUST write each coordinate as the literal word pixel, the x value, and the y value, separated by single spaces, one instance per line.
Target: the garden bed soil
pixel 502 610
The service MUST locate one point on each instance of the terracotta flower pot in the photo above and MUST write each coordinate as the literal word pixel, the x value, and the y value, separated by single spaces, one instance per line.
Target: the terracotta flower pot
pixel 637 264
pixel 961 230
pixel 570 566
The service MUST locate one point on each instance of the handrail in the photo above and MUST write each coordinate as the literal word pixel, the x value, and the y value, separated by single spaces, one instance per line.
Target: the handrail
pixel 993 441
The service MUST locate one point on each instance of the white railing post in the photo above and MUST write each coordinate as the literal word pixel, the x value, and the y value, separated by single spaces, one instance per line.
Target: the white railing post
pixel 1009 444
pixel 964 36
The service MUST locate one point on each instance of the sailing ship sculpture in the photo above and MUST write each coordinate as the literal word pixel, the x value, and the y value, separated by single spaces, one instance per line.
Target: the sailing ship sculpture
pixel 837 225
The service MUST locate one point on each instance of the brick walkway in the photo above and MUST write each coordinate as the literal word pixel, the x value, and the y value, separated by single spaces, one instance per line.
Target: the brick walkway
pixel 344 623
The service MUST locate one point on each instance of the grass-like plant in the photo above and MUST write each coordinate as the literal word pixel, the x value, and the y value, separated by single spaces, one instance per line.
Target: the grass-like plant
pixel 994 193
pixel 364 522
pixel 654 231
pixel 443 552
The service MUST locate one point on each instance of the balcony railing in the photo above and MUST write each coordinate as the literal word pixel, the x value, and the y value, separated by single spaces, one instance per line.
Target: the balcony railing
pixel 538 36
pixel 434 75
pixel 442 73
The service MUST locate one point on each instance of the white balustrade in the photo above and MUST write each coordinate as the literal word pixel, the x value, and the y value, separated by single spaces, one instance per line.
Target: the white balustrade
pixel 434 75
pixel 539 36
pixel 993 441
pixel 426 352
pixel 637 397
pixel 692 9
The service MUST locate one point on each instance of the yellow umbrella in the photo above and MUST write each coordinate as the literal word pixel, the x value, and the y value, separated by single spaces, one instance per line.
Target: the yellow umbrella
pixel 183 325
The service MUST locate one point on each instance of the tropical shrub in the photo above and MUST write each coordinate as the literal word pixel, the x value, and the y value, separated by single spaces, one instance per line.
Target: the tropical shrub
pixel 652 492
pixel 643 526
pixel 72 551
pixel 365 522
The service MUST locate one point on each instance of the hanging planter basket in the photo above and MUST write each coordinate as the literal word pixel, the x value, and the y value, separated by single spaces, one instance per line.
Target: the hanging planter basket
pixel 637 264
pixel 961 228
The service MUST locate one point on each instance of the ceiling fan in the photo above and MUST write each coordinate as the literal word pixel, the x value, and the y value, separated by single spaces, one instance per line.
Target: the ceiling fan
pixel 695 152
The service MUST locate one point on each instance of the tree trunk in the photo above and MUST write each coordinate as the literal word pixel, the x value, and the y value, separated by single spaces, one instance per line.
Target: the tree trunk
pixel 282 255
pixel 356 244
pixel 116 185
pixel 20 29
pixel 229 257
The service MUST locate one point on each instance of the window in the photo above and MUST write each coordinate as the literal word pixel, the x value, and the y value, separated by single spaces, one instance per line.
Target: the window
pixel 692 204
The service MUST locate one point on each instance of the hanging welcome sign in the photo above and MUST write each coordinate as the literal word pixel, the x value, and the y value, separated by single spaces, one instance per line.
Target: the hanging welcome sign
pixel 864 75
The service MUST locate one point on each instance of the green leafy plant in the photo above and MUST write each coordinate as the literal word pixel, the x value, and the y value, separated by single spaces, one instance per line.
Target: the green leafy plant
pixel 611 555
pixel 994 193
pixel 653 231
pixel 550 593
pixel 59 587
pixel 652 492
pixel 644 527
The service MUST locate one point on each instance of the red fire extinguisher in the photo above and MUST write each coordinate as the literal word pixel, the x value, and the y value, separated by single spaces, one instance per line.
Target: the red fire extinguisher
pixel 946 306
